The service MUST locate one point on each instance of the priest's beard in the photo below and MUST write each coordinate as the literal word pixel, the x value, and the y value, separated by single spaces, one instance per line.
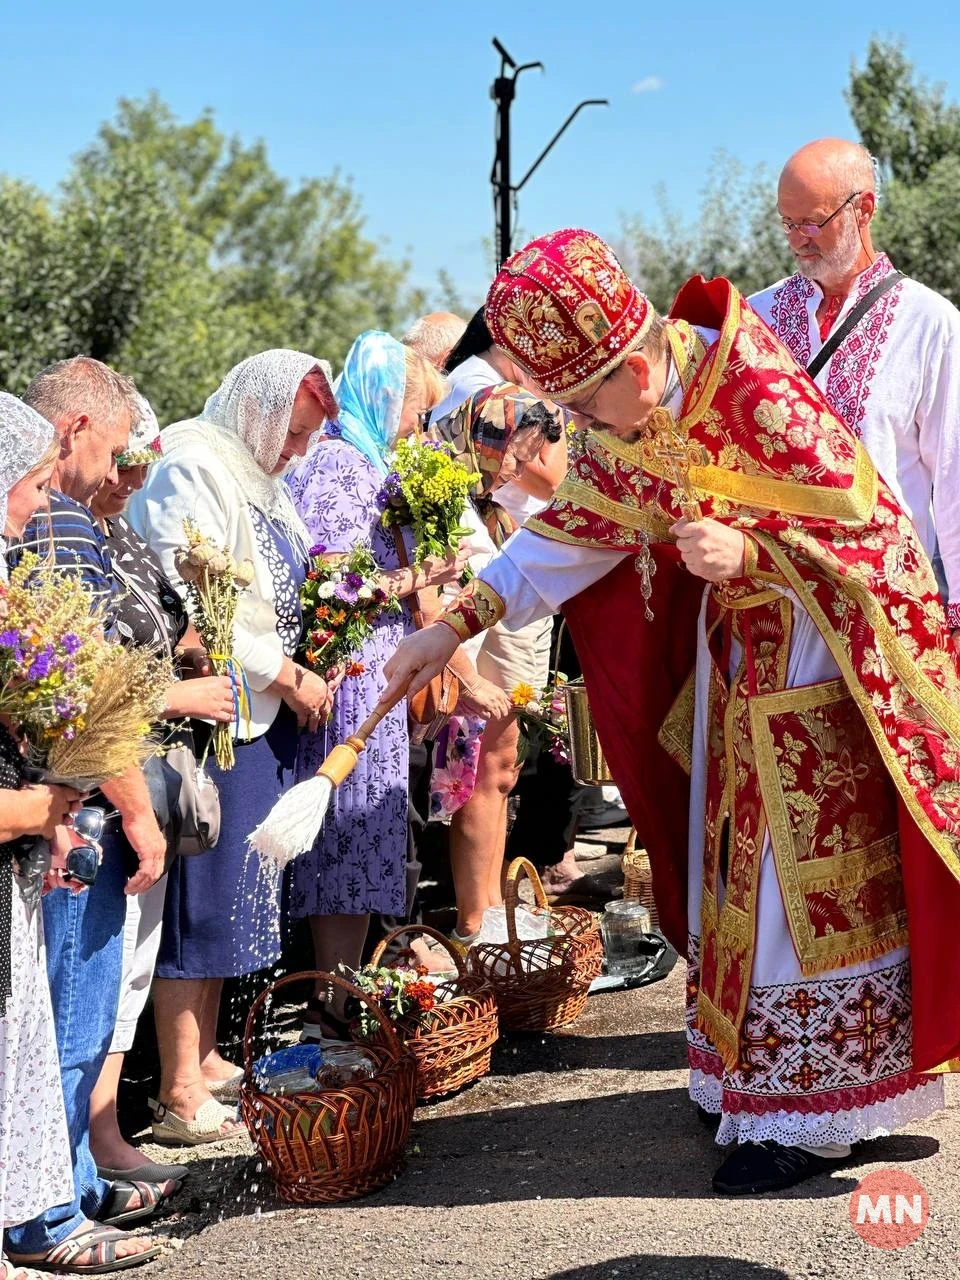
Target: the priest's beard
pixel 831 269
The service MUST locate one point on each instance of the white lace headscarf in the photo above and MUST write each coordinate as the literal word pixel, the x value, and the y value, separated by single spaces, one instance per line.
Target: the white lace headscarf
pixel 245 423
pixel 25 436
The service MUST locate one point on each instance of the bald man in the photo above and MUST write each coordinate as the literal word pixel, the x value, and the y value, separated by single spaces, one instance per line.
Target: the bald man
pixel 435 335
pixel 894 378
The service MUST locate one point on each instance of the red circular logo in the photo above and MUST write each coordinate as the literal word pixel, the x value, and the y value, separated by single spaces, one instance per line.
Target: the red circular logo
pixel 889 1209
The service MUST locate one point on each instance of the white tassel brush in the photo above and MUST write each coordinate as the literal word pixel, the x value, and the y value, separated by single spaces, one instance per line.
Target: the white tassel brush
pixel 294 822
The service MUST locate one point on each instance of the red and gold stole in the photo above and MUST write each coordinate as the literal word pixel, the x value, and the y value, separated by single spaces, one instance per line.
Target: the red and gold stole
pixel 765 453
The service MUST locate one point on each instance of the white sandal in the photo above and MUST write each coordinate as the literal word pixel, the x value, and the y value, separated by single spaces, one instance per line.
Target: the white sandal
pixel 172 1130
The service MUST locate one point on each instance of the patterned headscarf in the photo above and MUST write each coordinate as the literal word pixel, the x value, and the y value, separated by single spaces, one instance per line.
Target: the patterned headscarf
pixel 480 431
pixel 25 436
pixel 370 393
pixel 245 423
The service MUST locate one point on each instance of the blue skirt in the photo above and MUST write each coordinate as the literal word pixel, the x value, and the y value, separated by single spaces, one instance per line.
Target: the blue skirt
pixel 221 918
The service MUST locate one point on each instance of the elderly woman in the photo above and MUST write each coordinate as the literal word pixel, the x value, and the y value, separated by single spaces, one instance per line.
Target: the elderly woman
pixel 223 471
pixel 35 1160
pixel 495 434
pixel 358 863
pixel 149 613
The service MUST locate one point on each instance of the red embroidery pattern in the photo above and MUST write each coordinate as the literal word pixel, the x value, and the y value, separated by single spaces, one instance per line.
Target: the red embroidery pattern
pixel 953 616
pixel 815 1046
pixel 789 319
pixel 853 366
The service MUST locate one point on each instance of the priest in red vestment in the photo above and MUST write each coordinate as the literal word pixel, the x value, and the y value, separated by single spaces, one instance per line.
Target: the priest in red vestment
pixel 774 686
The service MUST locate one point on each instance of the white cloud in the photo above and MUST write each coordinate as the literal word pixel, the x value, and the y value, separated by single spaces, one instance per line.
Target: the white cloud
pixel 649 84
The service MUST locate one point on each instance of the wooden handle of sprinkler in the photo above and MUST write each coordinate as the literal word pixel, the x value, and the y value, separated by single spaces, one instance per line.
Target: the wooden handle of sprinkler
pixel 343 758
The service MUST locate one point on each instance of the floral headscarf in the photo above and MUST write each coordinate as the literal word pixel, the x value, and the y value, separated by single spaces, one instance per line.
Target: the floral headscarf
pixel 25 436
pixel 370 393
pixel 480 431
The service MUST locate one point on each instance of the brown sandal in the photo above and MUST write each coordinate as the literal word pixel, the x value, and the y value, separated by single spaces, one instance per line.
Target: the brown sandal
pixel 101 1243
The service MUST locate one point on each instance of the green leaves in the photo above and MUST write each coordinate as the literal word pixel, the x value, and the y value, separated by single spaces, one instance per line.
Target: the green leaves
pixel 172 252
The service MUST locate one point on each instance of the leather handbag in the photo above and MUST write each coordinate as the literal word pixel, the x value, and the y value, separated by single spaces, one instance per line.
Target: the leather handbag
pixel 433 704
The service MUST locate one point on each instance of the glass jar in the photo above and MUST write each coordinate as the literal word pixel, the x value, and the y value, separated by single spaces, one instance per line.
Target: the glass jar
pixel 624 926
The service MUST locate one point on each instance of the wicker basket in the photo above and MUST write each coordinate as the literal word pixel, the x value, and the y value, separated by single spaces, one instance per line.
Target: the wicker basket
pixel 455 1046
pixel 542 983
pixel 337 1144
pixel 637 877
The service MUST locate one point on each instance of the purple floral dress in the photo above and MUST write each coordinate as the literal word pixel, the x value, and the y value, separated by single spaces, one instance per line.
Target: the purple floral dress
pixel 358 863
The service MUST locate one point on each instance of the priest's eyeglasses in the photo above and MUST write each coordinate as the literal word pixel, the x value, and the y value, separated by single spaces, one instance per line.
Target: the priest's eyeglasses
pixel 812 229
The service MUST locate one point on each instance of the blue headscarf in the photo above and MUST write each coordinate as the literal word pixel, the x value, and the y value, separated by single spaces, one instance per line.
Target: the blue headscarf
pixel 370 394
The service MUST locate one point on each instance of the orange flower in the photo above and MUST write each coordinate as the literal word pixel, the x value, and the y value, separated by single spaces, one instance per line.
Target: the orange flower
pixel 355 669
pixel 322 612
pixel 522 694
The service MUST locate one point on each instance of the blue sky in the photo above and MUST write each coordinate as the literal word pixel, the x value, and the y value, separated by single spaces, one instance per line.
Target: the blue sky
pixel 396 96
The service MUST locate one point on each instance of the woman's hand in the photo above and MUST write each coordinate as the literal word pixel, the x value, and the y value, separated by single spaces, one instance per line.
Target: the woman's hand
pixel 305 694
pixel 485 700
pixel 43 808
pixel 709 549
pixel 207 698
pixel 438 571
pixel 418 659
pixel 334 678
pixel 194 662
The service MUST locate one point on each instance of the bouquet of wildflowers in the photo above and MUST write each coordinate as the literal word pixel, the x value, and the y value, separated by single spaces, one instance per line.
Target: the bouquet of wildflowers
pixel 402 993
pixel 214 582
pixel 427 489
pixel 51 642
pixel 542 718
pixel 341 599
pixel 85 706
pixel 115 733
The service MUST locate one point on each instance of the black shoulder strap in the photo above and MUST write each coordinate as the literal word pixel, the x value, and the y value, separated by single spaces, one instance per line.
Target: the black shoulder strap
pixel 853 318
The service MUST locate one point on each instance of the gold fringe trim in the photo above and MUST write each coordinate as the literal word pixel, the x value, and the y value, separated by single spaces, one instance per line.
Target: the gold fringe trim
pixel 813 968
pixel 720 1031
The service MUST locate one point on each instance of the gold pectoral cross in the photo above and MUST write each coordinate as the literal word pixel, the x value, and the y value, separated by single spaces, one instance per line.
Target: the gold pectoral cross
pixel 674 455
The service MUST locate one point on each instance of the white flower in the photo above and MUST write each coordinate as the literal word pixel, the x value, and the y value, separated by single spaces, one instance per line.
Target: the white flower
pixel 365 593
pixel 325 590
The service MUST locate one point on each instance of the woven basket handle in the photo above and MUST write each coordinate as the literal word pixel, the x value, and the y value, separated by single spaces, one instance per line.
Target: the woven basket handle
pixel 520 867
pixel 426 931
pixel 392 1045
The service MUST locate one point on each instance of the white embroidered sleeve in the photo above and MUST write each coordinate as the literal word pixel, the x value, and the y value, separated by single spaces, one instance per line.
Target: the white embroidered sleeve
pixel 534 575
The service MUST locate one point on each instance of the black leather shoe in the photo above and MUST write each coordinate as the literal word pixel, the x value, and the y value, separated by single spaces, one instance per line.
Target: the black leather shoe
pixel 755 1167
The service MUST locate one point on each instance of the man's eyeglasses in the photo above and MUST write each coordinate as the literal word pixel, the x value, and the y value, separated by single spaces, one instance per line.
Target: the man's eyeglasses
pixel 812 229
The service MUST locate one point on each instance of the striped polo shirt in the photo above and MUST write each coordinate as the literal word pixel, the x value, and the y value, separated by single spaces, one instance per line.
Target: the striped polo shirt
pixel 78 547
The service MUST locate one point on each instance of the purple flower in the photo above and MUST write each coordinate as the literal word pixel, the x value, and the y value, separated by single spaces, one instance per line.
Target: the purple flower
pixel 318 549
pixel 380 596
pixel 43 663
pixel 10 639
pixel 70 641
pixel 345 593
pixel 354 580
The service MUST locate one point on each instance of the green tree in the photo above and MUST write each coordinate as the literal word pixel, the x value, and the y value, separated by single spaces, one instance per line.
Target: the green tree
pixel 735 234
pixel 173 251
pixel 915 136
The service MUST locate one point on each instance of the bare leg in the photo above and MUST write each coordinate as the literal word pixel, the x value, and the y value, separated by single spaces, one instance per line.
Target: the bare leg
pixel 180 1007
pixel 213 1067
pixel 110 1149
pixel 478 830
pixel 338 940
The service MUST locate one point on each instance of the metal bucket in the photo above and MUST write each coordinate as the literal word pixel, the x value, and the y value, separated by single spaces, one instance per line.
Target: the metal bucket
pixel 586 755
